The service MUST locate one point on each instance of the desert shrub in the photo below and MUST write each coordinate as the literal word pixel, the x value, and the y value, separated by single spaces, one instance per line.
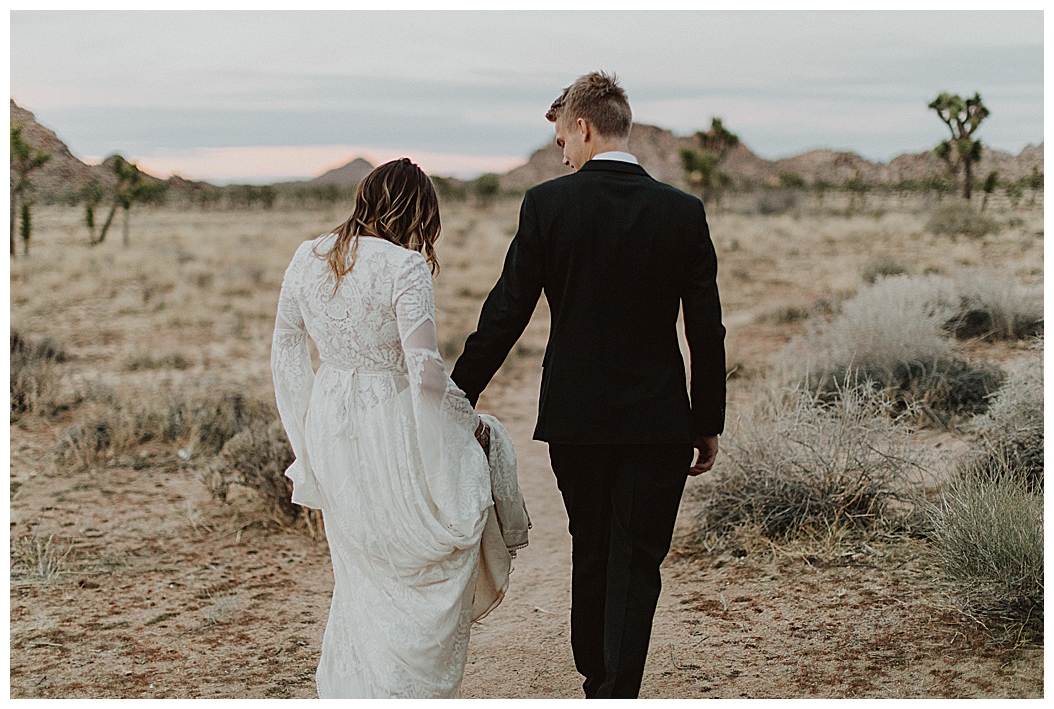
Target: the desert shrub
pixel 218 418
pixel 996 307
pixel 35 386
pixel 1011 430
pixel 776 202
pixel 146 361
pixel 256 457
pixel 988 538
pixel 958 217
pixel 806 465
pixel 892 335
pixel 884 265
pixel 202 425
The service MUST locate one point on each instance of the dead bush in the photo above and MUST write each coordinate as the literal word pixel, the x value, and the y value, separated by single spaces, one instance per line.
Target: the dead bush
pixel 776 201
pixel 257 458
pixel 804 466
pixel 958 217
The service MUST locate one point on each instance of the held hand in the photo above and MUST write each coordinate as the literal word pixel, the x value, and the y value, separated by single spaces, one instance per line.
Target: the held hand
pixel 707 447
pixel 483 436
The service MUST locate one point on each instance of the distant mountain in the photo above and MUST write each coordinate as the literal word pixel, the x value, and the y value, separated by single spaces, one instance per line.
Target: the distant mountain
pixel 64 174
pixel 347 175
pixel 657 150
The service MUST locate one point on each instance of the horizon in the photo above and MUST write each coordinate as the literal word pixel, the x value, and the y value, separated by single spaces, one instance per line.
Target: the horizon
pixel 467 92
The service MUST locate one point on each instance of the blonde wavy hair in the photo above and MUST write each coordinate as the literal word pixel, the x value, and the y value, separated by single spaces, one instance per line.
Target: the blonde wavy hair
pixel 396 202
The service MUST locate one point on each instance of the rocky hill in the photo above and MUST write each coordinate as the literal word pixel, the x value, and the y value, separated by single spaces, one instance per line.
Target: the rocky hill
pixel 347 175
pixel 63 173
pixel 658 152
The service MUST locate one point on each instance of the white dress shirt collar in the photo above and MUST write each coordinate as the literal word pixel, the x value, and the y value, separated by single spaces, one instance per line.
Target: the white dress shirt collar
pixel 616 155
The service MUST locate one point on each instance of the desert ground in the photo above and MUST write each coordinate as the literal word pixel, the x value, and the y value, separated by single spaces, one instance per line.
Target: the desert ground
pixel 130 580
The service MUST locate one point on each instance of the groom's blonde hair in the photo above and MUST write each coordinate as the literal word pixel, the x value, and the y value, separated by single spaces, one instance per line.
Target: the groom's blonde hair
pixel 599 99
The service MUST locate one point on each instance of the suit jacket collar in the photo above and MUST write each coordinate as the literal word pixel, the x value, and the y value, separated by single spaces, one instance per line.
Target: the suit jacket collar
pixel 613 166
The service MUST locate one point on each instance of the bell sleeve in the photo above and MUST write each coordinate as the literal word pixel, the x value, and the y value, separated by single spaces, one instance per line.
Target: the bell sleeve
pixel 455 466
pixel 293 381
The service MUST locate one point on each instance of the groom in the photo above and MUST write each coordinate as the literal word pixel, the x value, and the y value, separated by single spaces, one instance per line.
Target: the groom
pixel 617 254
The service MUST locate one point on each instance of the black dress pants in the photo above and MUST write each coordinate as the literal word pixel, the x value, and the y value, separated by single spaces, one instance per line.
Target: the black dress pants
pixel 621 503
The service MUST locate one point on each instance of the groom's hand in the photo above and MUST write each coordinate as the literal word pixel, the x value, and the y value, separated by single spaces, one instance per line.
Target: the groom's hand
pixel 707 447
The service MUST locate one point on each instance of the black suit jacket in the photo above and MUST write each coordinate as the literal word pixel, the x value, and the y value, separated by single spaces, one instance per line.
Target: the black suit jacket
pixel 616 253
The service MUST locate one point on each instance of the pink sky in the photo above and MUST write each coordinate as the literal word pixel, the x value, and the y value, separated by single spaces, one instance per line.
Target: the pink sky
pixel 249 163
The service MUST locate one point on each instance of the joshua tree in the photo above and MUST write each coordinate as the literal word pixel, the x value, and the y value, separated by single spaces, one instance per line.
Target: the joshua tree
pixel 92 195
pixel 718 139
pixel 24 160
pixel 130 188
pixel 1035 183
pixel 962 118
pixel 702 167
pixel 989 185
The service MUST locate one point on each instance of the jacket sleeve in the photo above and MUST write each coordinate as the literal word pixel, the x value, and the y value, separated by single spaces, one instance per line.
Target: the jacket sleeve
pixel 703 331
pixel 507 309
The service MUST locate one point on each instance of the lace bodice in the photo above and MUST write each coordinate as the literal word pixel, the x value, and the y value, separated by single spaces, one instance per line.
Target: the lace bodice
pixel 358 326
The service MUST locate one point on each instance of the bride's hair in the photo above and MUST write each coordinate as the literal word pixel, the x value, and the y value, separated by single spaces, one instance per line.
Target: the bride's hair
pixel 396 202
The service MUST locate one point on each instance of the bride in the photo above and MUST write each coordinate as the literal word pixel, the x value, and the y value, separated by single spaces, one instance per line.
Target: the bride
pixel 385 443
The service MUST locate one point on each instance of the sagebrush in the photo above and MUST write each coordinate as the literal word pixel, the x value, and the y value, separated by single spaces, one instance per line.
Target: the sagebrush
pixel 892 335
pixel 803 465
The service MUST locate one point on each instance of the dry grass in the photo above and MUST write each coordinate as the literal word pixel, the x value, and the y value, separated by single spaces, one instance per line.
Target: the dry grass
pixel 200 425
pixel 38 560
pixel 35 377
pixel 994 306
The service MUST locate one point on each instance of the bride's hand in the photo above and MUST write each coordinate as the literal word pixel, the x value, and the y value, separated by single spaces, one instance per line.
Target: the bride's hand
pixel 483 436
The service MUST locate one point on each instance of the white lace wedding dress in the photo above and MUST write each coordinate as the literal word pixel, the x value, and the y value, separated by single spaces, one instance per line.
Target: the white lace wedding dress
pixel 384 446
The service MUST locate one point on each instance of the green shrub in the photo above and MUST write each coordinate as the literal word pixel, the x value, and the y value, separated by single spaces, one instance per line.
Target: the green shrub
pixel 988 538
pixel 805 465
pixel 958 217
